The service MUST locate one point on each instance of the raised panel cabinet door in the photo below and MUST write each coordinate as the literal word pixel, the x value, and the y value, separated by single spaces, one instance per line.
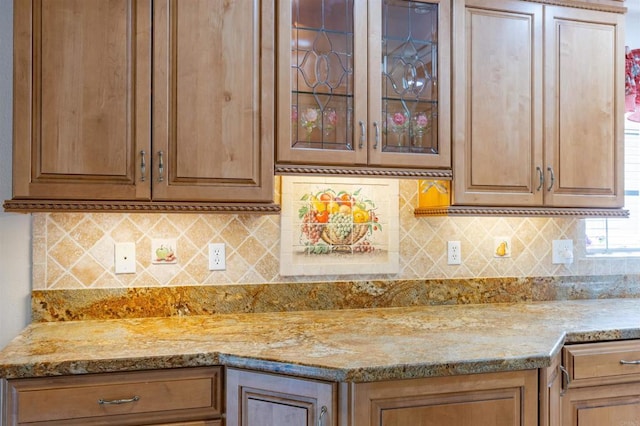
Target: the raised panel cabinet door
pixel 81 98
pixel 612 405
pixel 500 399
pixel 497 135
pixel 261 399
pixel 584 59
pixel 213 86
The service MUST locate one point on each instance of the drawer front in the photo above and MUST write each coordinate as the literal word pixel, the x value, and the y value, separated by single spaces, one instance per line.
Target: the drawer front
pixel 607 360
pixel 118 398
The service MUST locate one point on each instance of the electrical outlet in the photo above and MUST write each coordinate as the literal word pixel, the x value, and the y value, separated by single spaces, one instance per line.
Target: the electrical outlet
pixel 562 252
pixel 454 253
pixel 217 257
pixel 125 258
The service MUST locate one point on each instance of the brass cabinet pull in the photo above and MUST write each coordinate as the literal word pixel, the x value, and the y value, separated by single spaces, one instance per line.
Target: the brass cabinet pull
pixel 540 177
pixel 635 362
pixel 363 134
pixel 377 134
pixel 160 167
pixel 553 178
pixel 566 380
pixel 143 166
pixel 118 401
pixel 323 411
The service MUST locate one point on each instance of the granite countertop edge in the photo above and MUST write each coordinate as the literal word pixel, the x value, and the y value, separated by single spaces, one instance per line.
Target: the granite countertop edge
pixel 359 345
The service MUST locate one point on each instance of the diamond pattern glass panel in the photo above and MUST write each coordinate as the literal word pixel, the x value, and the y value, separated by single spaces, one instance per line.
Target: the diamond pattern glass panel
pixel 322 74
pixel 409 76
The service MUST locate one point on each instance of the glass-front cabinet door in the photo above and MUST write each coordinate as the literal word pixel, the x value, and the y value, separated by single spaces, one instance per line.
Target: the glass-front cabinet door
pixel 364 83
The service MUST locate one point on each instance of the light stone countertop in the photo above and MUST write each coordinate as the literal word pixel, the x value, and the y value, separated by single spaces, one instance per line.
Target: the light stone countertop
pixel 356 345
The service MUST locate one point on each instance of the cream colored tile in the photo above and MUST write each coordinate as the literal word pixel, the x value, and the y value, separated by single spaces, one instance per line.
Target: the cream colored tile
pixel 87 270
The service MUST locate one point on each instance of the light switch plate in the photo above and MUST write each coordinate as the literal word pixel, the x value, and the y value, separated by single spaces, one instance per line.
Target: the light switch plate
pixel 125 258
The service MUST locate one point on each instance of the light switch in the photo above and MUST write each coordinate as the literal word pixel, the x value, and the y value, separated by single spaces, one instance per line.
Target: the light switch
pixel 125 258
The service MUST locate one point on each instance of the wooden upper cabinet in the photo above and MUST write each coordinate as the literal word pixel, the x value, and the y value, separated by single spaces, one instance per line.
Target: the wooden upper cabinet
pixel 213 100
pixel 519 143
pixel 584 103
pixel 88 130
pixel 498 137
pixel 364 86
pixel 81 98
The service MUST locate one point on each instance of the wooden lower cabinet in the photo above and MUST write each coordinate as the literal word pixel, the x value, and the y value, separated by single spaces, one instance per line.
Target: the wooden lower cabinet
pixel 182 396
pixel 496 399
pixel 602 386
pixel 263 399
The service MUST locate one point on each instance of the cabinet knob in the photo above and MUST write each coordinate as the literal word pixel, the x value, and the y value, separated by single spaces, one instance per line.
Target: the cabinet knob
pixel 363 134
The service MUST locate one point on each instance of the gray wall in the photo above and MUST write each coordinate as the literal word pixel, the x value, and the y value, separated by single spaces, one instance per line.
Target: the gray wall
pixel 15 229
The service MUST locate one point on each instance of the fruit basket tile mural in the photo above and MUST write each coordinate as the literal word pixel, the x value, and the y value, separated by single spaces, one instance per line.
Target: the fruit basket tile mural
pixel 334 226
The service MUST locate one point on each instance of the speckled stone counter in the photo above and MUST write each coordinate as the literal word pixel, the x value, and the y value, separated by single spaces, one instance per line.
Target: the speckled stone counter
pixel 341 345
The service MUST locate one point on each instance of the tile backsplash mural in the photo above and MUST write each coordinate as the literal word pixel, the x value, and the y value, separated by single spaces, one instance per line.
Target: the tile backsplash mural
pixel 76 250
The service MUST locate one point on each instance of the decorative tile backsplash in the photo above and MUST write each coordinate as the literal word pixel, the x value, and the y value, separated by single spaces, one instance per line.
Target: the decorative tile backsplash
pixel 76 250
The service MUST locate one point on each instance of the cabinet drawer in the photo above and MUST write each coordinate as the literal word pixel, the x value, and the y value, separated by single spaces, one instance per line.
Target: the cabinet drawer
pixel 606 362
pixel 161 396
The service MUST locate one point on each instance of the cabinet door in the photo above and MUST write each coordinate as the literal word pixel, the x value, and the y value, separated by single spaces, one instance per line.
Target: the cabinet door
pixel 613 405
pixel 322 87
pixel 584 107
pixel 498 103
pixel 365 84
pixel 409 84
pixel 213 100
pixel 81 98
pixel 260 399
pixel 502 399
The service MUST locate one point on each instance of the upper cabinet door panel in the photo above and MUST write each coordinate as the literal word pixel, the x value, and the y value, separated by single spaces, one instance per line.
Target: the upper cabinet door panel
pixel 499 118
pixel 81 93
pixel 584 103
pixel 213 100
pixel 409 83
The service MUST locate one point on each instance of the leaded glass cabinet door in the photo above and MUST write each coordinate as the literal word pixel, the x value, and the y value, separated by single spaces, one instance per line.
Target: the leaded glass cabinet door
pixel 409 67
pixel 322 95
pixel 346 67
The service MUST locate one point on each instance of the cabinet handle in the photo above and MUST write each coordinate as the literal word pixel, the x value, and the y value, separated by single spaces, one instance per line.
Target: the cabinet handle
pixel 324 410
pixel 118 401
pixel 377 134
pixel 363 134
pixel 540 178
pixel 622 361
pixel 160 167
pixel 143 166
pixel 553 178
pixel 566 380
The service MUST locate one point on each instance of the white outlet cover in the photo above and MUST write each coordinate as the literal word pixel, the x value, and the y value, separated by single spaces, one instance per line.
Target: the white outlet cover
pixel 164 251
pixel 502 247
pixel 217 257
pixel 562 252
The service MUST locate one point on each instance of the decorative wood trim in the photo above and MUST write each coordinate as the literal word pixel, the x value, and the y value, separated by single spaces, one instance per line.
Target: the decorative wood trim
pixel 366 172
pixel 520 211
pixel 36 206
pixel 615 6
